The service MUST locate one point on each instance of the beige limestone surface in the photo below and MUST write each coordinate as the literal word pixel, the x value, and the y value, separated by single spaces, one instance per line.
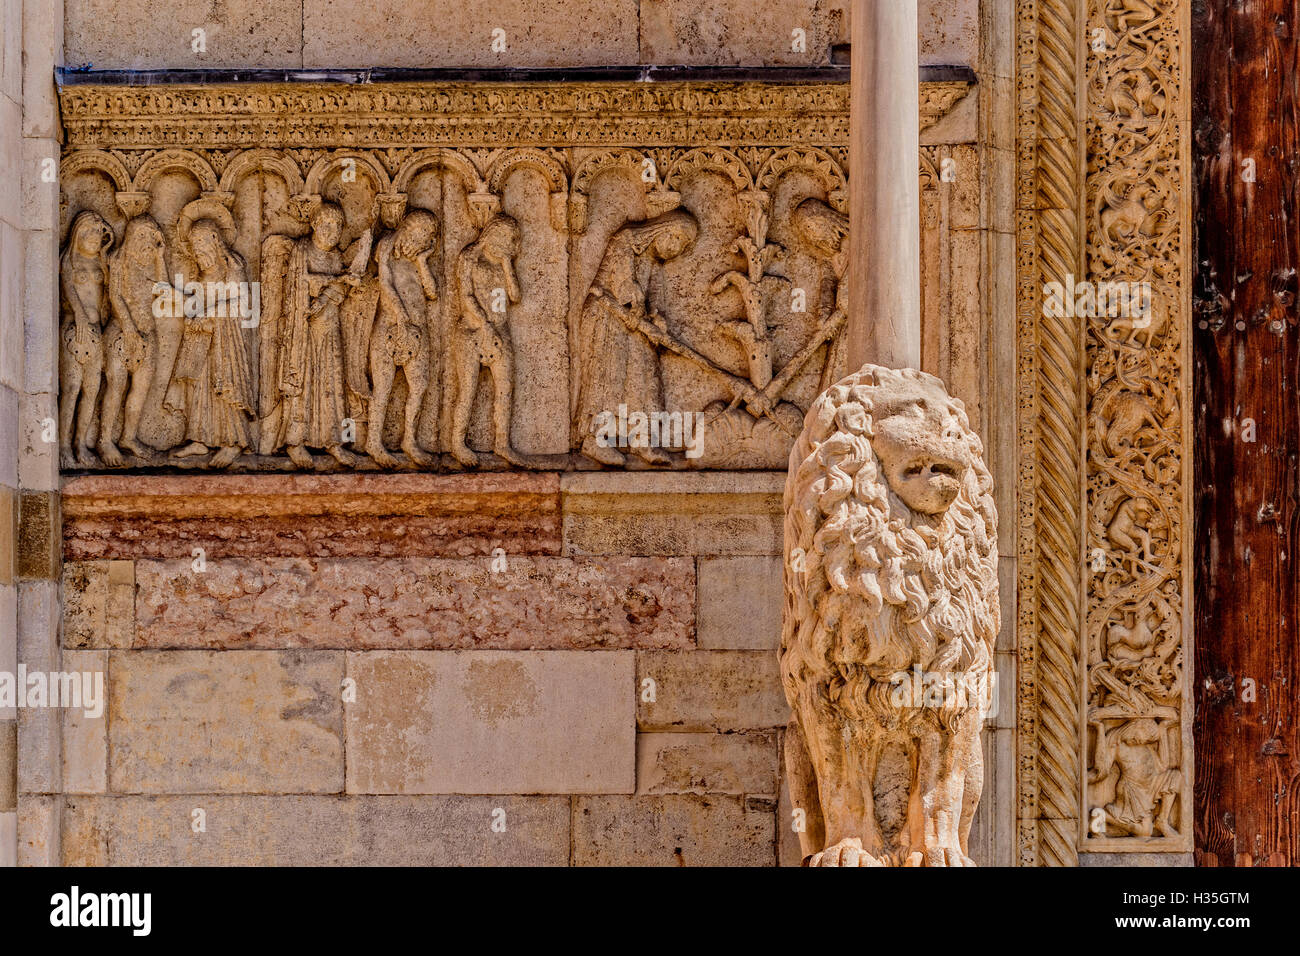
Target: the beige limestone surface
pixel 709 691
pixel 207 722
pixel 146 34
pixel 706 763
pixel 314 831
pixel 740 603
pixel 672 830
pixel 491 722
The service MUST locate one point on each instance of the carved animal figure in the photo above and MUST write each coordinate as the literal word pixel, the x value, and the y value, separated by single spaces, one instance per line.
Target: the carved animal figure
pixel 890 583
pixel 1131 641
pixel 1126 415
pixel 1128 532
pixel 1133 215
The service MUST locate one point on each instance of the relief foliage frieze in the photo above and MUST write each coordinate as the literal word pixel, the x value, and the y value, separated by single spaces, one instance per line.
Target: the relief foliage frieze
pixel 1136 733
pixel 517 298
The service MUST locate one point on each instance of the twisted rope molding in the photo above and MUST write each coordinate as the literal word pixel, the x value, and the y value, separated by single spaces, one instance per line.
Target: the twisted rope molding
pixel 1058 616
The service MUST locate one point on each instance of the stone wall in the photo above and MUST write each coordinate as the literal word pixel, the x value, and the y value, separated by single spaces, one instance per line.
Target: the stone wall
pixel 29 153
pixel 546 667
pixel 592 654
pixel 11 386
pixel 332 34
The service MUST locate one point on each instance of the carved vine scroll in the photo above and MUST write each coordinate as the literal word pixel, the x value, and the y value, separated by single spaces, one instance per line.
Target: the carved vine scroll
pixel 1136 733
pixel 1103 636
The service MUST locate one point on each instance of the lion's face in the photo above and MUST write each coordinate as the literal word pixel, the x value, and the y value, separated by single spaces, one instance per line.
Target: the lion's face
pixel 921 445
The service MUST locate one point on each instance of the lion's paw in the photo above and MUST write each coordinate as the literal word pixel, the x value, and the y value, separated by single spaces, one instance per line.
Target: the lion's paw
pixel 937 855
pixel 845 853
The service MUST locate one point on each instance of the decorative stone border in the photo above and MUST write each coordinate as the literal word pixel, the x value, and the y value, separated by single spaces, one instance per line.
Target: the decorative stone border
pixel 480 114
pixel 1103 157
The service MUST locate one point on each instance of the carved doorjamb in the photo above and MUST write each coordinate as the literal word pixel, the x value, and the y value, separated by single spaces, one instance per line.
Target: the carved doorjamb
pixel 1104 616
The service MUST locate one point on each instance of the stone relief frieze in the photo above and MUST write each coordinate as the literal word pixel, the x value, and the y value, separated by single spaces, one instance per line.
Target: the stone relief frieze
pixel 350 312
pixel 298 304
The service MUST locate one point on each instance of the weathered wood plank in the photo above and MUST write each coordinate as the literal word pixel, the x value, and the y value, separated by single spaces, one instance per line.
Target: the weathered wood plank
pixel 1247 142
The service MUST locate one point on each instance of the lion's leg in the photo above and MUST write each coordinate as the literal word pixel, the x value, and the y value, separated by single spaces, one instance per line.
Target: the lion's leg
pixel 803 790
pixel 972 784
pixel 935 810
pixel 844 790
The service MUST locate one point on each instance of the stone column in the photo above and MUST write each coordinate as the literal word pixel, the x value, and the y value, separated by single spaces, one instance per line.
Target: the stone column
pixel 884 325
pixel 841 590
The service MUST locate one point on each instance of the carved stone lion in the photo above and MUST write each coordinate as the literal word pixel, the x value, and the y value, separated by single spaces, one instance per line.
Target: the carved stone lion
pixel 890 617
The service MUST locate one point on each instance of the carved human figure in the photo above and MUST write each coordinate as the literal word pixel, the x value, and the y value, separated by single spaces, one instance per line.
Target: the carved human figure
pixel 137 271
pixel 480 338
pixel 1147 787
pixel 1129 530
pixel 620 364
pixel 821 233
pixel 213 370
pixel 83 278
pixel 887 485
pixel 302 326
pixel 400 339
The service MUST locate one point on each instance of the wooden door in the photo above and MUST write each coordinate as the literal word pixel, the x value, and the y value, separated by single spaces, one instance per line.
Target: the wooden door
pixel 1245 69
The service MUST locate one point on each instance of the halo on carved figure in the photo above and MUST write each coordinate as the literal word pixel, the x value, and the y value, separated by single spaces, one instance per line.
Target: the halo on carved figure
pixel 510 160
pixel 808 159
pixel 254 160
pixel 320 171
pixel 712 159
pixel 96 160
pixel 197 211
pixel 170 160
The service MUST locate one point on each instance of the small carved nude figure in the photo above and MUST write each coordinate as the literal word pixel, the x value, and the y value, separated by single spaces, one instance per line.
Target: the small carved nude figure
pixel 83 277
pixel 1148 787
pixel 135 271
pixel 486 280
pixel 401 337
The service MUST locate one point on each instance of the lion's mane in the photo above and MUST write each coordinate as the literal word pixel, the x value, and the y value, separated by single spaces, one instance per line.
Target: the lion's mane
pixel 873 588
